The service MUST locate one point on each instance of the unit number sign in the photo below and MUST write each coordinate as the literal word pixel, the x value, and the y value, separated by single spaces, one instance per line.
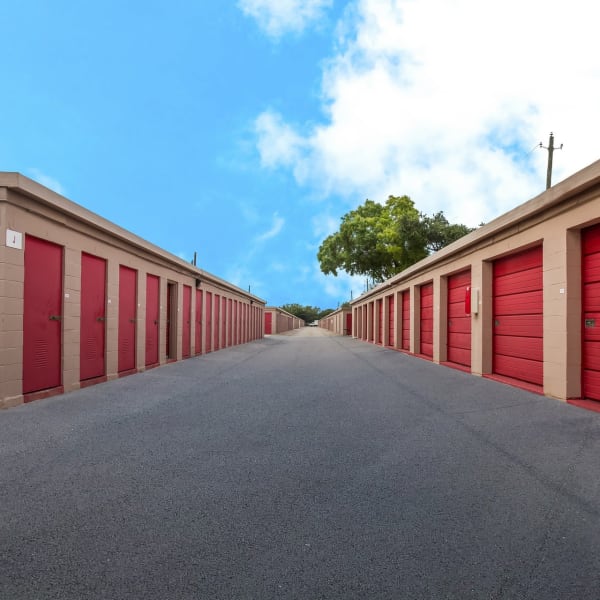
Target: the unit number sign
pixel 14 239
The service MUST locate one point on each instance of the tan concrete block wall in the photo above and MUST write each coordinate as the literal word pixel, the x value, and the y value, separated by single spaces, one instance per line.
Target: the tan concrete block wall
pixel 554 220
pixel 53 218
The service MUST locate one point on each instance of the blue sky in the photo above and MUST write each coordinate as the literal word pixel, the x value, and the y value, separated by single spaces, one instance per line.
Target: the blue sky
pixel 243 130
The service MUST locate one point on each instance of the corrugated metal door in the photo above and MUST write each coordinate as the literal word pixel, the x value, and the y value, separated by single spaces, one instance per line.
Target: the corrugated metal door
pixel 152 318
pixel 186 334
pixel 229 322
pixel 217 322
pixel 459 322
pixel 171 346
pixel 518 316
pixel 365 321
pixel 348 324
pixel 93 317
pixel 223 322
pixel 426 324
pixel 590 336
pixel 391 320
pixel 42 315
pixel 243 339
pixel 380 321
pixel 198 331
pixel 127 318
pixel 208 324
pixel 406 320
pixel 235 322
pixel 268 323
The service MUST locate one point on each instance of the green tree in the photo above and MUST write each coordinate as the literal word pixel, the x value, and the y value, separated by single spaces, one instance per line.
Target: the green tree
pixel 380 240
pixel 439 232
pixel 307 313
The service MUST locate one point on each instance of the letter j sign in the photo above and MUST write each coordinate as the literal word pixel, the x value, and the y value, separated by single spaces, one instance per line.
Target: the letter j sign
pixel 14 239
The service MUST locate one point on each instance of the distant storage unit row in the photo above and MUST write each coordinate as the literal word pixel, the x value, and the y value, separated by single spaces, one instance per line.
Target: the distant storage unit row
pixel 517 300
pixel 83 301
pixel 278 320
pixel 339 321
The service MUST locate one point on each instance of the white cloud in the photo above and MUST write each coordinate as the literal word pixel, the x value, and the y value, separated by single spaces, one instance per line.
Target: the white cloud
pixel 47 181
pixel 277 17
pixel 324 225
pixel 340 288
pixel 276 227
pixel 245 278
pixel 278 143
pixel 444 101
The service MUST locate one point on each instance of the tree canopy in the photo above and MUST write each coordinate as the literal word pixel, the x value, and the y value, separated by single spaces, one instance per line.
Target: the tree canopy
pixel 307 313
pixel 380 240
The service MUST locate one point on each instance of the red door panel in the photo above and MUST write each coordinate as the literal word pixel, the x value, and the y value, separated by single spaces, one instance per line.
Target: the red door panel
pixel 217 322
pixel 406 320
pixel 518 316
pixel 590 326
pixel 426 292
pixel 349 324
pixel 93 317
pixel 152 319
pixel 229 322
pixel 380 321
pixel 208 324
pixel 223 322
pixel 186 334
pixel 198 331
pixel 171 345
pixel 268 323
pixel 391 320
pixel 42 315
pixel 236 320
pixel 459 323
pixel 127 318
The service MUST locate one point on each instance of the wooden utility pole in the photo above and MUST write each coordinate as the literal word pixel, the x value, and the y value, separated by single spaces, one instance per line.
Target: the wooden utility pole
pixel 550 149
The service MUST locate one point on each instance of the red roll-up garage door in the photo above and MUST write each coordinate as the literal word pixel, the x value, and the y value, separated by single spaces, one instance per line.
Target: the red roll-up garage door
pixel 152 316
pixel 208 324
pixel 406 320
pixel 198 333
pixel 223 322
pixel 518 316
pixel 93 317
pixel 459 322
pixel 348 324
pixel 427 320
pixel 186 333
pixel 379 322
pixel 391 321
pixel 127 318
pixel 590 336
pixel 42 315
pixel 268 323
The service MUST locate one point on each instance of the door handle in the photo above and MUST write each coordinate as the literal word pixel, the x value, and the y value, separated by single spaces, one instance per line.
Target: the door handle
pixel 100 318
pixel 132 320
pixel 55 317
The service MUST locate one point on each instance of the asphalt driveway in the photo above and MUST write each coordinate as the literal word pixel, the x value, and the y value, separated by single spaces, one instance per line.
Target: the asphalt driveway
pixel 304 466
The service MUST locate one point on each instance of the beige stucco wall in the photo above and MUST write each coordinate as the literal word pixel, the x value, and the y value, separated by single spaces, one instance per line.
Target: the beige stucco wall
pixel 282 321
pixel 336 321
pixel 554 220
pixel 30 209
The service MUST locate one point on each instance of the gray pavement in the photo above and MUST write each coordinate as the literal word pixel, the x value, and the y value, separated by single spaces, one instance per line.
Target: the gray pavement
pixel 305 466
